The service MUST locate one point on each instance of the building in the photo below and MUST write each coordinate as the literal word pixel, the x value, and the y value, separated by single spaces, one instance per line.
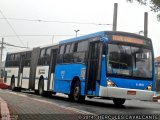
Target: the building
pixel 157 64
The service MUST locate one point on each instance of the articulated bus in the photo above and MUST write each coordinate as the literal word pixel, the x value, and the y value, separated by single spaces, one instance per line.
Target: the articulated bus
pixel 107 64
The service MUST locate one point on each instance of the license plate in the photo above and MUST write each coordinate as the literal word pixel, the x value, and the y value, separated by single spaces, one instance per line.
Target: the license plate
pixel 131 92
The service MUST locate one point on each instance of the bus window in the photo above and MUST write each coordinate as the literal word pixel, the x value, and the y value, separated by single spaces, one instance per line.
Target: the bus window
pixel 130 61
pixel 8 57
pixel 48 52
pixel 67 48
pixel 17 57
pixel 82 46
pixel 71 48
pixel 120 60
pixel 12 57
pixel 75 47
pixel 62 49
pixel 28 55
pixel 142 62
pixel 42 53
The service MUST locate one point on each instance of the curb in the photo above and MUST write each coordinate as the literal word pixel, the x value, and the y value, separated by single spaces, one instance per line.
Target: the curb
pixel 5 114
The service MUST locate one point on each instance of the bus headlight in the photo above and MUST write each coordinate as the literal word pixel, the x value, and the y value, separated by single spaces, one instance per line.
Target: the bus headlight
pixel 110 83
pixel 149 87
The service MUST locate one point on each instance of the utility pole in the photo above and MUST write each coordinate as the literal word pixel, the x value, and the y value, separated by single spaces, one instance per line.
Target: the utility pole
pixel 146 24
pixel 114 27
pixel 2 43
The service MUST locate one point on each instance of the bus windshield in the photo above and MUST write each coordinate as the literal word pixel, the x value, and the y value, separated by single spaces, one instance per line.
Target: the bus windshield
pixel 129 61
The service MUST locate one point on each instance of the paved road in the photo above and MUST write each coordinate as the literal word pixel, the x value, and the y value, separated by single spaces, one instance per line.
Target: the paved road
pixel 28 104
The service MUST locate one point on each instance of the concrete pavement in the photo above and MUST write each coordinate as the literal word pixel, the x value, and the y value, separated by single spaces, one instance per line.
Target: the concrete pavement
pixel 22 107
pixel 26 105
pixel 4 111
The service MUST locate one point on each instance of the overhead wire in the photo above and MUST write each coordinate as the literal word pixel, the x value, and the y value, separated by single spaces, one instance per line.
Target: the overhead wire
pixel 12 28
pixel 70 22
pixel 14 45
pixel 37 35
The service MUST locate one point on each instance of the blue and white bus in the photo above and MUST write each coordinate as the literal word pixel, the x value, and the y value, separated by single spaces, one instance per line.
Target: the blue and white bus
pixel 107 64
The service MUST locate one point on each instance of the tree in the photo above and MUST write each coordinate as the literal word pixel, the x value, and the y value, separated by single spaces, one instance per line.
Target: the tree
pixel 154 5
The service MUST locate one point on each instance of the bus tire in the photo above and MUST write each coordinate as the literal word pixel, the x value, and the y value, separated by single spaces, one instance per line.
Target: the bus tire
pixel 75 93
pixel 41 87
pixel 36 92
pixel 13 84
pixel 19 89
pixel 118 101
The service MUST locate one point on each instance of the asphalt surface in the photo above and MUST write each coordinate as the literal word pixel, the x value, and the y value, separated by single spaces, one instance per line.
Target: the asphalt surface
pixel 27 105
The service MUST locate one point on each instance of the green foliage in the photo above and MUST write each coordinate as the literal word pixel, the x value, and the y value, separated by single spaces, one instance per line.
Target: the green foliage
pixel 143 2
pixel 154 5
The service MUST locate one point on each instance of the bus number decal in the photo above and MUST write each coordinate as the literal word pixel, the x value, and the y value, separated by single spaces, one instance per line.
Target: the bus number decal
pixel 41 71
pixel 139 84
pixel 83 72
pixel 62 74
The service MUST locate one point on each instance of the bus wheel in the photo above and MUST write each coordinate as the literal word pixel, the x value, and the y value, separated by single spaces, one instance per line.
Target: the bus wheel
pixel 119 101
pixel 41 87
pixel 75 93
pixel 12 84
pixel 19 89
pixel 36 92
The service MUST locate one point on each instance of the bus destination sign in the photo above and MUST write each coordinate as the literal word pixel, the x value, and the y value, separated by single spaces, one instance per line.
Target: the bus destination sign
pixel 128 39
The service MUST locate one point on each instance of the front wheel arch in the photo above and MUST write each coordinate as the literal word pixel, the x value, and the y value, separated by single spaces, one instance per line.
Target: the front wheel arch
pixel 41 86
pixel 74 94
pixel 12 85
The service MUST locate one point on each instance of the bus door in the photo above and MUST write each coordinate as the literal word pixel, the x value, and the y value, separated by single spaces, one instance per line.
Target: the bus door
pixel 53 59
pixel 93 67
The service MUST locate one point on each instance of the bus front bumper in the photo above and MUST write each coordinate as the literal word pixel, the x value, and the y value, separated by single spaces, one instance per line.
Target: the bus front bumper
pixel 115 92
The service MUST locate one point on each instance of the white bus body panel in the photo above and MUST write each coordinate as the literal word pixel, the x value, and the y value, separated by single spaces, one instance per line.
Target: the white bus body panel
pixel 115 92
pixel 25 77
pixel 10 72
pixel 42 71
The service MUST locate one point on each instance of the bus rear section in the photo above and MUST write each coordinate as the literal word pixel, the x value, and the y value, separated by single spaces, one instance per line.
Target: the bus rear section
pixel 114 65
pixel 31 69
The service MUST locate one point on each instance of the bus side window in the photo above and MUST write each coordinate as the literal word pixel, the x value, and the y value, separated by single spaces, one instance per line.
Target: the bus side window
pixel 12 57
pixel 47 56
pixel 62 49
pixel 71 48
pixel 75 47
pixel 48 52
pixel 67 48
pixel 82 46
pixel 42 53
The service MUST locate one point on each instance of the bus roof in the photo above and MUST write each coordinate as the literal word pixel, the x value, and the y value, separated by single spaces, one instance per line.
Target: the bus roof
pixel 82 37
pixel 20 51
pixel 101 33
pixel 30 49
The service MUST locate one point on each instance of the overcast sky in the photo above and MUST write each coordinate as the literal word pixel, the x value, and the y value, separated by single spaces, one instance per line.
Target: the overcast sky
pixel 130 19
